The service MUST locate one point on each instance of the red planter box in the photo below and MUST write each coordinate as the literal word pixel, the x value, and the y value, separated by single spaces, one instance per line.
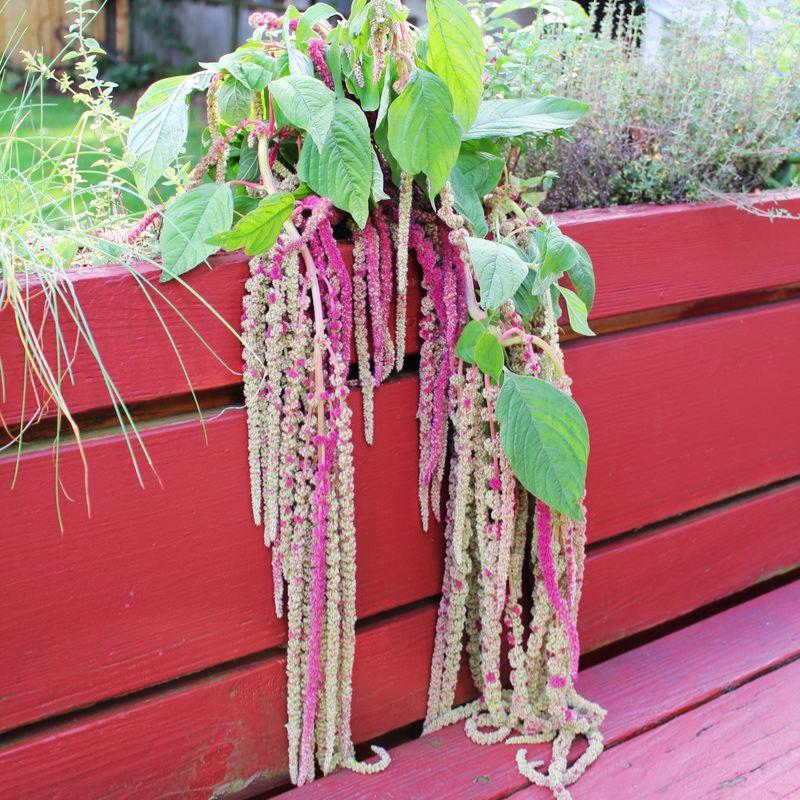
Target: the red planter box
pixel 691 392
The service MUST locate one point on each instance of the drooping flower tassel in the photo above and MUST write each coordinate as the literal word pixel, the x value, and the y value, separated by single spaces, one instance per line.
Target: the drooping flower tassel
pixel 501 523
pixel 401 266
pixel 296 330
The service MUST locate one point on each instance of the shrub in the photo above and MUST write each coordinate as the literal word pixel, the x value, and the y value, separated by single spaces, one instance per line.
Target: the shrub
pixel 715 112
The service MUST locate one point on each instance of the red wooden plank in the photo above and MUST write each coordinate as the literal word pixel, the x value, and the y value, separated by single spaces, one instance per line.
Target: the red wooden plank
pixel 217 735
pixel 639 689
pixel 685 414
pixel 649 257
pixel 198 574
pixel 645 257
pixel 687 564
pixel 745 744
pixel 133 344
pixel 163 582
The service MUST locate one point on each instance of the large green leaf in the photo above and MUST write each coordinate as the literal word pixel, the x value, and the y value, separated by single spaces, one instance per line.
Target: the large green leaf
pixel 474 175
pixel 306 103
pixel 189 221
pixel 257 231
pixel 457 55
pixel 581 274
pixel 465 346
pixel 343 170
pixel 312 16
pixel 557 252
pixel 524 117
pixel 160 126
pixel 489 355
pixel 545 437
pixel 467 201
pixel 234 101
pixel 424 136
pixel 252 67
pixel 578 315
pixel 498 268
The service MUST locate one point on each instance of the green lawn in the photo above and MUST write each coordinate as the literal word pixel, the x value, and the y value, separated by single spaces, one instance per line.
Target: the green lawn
pixel 49 130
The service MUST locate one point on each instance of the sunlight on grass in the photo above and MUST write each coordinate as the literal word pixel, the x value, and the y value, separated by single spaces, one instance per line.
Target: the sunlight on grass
pixel 49 126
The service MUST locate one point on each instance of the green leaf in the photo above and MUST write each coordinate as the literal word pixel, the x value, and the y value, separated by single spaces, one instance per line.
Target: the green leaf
pixel 252 67
pixel 188 221
pixel 558 252
pixel 377 180
pixel 581 274
pixel 474 175
pixel 64 252
pixel 489 355
pixel 383 105
pixel 467 201
pixel 524 117
pixel 299 62
pixel 343 170
pixel 248 163
pixel 498 268
pixel 546 440
pixel 457 55
pixel 306 103
pixel 234 101
pixel 525 301
pixel 258 231
pixel 465 346
pixel 576 309
pixel 424 136
pixel 313 16
pixel 159 127
pixel 482 170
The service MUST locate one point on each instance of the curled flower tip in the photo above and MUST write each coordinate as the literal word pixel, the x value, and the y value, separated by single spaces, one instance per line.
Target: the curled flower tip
pixel 370 768
pixel 528 768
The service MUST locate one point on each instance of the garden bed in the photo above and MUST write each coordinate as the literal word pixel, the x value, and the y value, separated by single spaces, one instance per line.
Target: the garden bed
pixel 143 640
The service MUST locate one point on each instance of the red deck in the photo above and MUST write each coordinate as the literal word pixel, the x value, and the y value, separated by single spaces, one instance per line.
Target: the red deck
pixel 142 658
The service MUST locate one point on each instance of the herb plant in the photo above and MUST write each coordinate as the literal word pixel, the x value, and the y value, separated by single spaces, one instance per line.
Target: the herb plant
pixel 66 201
pixel 322 129
pixel 714 112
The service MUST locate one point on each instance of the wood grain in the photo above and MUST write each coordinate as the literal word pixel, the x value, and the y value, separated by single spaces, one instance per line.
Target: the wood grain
pixel 172 578
pixel 640 689
pixel 645 258
pixel 214 736
pixel 743 745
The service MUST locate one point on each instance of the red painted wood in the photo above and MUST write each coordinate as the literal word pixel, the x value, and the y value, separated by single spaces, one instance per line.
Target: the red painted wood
pixel 197 572
pixel 218 734
pixel 165 581
pixel 640 689
pixel 687 564
pixel 203 318
pixel 645 257
pixel 212 736
pixel 685 414
pixel 148 602
pixel 744 744
pixel 648 257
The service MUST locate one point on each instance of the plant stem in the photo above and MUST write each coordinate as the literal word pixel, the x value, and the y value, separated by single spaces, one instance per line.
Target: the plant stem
pixel 311 275
pixel 517 336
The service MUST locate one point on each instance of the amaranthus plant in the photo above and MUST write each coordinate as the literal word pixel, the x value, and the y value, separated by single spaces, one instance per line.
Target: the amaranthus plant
pixel 320 128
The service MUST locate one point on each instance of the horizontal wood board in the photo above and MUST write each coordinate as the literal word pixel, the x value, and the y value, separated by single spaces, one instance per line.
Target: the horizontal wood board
pixel 640 689
pixel 646 257
pixel 220 735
